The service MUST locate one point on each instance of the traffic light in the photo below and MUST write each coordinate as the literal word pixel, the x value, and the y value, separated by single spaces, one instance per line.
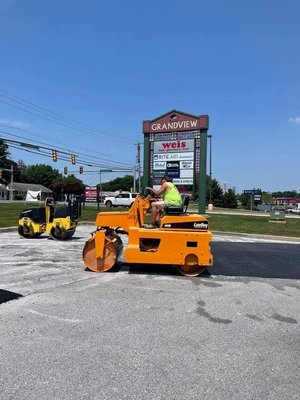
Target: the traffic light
pixel 81 169
pixel 54 155
pixel 73 159
pixel 66 170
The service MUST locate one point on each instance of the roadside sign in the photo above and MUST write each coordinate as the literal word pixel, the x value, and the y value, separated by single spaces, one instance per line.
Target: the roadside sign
pixel 106 170
pixel 250 192
pixel 91 194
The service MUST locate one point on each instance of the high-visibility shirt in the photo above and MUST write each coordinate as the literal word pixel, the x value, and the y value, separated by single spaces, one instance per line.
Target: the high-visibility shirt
pixel 172 195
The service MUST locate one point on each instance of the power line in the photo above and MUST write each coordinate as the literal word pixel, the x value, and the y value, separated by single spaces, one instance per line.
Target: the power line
pixel 66 151
pixel 62 157
pixel 42 112
pixel 55 143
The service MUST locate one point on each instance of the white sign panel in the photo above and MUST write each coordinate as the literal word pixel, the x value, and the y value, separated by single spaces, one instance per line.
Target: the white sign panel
pixel 173 156
pixel 186 173
pixel 186 164
pixel 157 165
pixel 174 146
pixel 32 195
pixel 184 181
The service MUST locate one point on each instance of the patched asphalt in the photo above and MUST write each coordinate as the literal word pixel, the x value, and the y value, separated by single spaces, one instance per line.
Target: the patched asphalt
pixel 148 333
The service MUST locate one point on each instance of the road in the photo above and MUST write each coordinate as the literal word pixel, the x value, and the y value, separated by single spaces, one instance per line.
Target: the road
pixel 148 333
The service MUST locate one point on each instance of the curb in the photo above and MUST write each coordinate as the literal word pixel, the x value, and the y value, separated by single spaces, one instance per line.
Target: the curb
pixel 9 229
pixel 257 236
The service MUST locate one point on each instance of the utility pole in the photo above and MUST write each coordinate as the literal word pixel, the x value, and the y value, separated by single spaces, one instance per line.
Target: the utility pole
pixel 100 189
pixel 134 178
pixel 138 160
pixel 11 181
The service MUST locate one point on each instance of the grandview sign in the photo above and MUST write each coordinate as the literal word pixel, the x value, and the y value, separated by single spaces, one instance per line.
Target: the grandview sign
pixel 173 142
pixel 176 121
pixel 173 126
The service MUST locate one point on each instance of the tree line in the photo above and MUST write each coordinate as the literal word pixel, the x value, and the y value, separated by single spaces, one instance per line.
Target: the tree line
pixel 40 174
pixel 51 178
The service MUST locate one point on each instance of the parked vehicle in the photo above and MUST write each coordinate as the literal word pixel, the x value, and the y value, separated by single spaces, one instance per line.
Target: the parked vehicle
pixel 124 199
pixel 295 210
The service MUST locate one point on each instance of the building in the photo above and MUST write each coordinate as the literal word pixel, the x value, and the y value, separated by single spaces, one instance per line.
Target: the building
pixel 4 193
pixel 20 190
pixel 286 201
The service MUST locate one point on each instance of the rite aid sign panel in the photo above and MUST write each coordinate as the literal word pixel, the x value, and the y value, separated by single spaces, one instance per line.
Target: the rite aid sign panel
pixel 173 156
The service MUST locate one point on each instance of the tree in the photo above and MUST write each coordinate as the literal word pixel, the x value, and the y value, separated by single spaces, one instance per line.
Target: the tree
pixel 4 153
pixel 41 174
pixel 216 192
pixel 4 161
pixel 288 193
pixel 125 183
pixel 266 198
pixel 245 200
pixel 68 185
pixel 229 199
pixel 7 164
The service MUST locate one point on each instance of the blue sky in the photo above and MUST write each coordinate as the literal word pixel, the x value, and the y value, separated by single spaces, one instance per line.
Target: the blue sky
pixel 110 65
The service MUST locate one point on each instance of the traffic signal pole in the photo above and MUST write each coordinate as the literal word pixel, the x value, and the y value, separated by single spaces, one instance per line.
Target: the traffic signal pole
pixel 11 182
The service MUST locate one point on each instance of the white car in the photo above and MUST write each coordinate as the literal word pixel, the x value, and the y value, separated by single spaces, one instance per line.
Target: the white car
pixel 124 199
pixel 295 210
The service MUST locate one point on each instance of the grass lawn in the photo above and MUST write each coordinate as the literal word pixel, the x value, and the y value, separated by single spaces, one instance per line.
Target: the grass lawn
pixel 9 215
pixel 253 224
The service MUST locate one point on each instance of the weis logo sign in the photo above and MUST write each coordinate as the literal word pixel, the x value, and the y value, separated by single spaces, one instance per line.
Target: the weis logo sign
pixel 173 146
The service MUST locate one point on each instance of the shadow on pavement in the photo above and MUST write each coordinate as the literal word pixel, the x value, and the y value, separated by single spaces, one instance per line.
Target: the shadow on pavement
pixel 6 295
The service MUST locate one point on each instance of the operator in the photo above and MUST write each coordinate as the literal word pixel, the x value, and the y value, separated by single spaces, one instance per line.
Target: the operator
pixel 171 197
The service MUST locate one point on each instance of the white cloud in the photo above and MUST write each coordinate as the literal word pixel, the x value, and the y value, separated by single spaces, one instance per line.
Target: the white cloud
pixel 295 120
pixel 14 123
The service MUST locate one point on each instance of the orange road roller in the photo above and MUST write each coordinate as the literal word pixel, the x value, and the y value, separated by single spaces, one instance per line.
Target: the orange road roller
pixel 182 239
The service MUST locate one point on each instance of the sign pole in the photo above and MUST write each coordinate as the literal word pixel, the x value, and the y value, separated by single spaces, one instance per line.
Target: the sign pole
pixel 134 178
pixel 202 171
pixel 100 189
pixel 146 162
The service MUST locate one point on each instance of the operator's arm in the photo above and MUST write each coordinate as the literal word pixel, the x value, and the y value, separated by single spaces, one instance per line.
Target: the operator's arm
pixel 161 190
